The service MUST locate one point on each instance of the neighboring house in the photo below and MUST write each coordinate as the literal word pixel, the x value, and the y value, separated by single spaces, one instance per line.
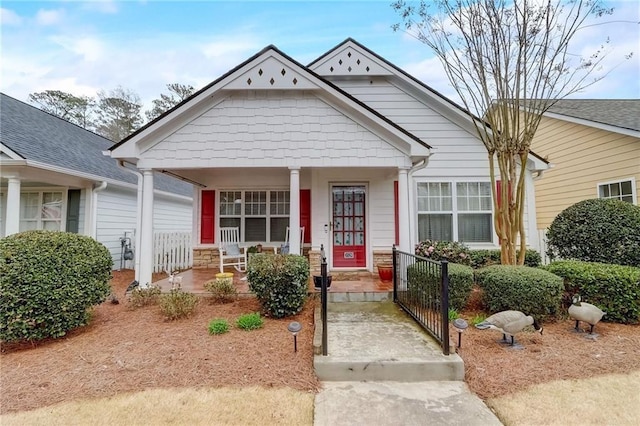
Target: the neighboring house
pixel 594 147
pixel 350 147
pixel 55 176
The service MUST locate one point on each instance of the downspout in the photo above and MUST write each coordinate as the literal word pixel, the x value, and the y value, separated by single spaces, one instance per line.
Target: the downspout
pixel 417 166
pixel 94 208
pixel 136 267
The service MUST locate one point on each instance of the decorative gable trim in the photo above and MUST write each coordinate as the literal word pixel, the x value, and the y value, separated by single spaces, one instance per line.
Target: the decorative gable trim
pixel 348 61
pixel 271 73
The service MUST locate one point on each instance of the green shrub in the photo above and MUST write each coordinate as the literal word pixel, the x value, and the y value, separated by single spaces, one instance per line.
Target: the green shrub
pixel 453 314
pixel 250 321
pixel 604 231
pixel 477 319
pixel 222 290
pixel 423 278
pixel 280 282
pixel 48 282
pixel 178 304
pixel 614 288
pixel 531 290
pixel 144 296
pixel 451 251
pixel 483 258
pixel 218 326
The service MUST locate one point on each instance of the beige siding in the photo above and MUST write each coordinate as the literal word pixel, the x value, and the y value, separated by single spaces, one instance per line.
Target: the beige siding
pixel 582 157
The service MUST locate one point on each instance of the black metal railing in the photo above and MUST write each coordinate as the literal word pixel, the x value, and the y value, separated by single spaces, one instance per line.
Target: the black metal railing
pixel 421 288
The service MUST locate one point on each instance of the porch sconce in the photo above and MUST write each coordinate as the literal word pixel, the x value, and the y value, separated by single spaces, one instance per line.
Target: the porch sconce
pixel 460 325
pixel 295 327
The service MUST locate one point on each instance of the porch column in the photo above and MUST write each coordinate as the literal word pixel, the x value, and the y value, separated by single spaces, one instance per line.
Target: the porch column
pixel 13 207
pixel 146 231
pixel 294 210
pixel 403 210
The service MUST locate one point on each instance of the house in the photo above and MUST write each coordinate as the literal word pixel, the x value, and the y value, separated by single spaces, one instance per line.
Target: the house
pixel 594 146
pixel 55 176
pixel 350 147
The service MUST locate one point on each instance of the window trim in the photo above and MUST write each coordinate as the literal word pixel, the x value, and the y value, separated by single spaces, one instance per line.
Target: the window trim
pixel 455 212
pixel 40 191
pixel 243 215
pixel 634 196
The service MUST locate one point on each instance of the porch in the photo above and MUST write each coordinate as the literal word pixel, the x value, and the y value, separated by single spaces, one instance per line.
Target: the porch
pixel 343 284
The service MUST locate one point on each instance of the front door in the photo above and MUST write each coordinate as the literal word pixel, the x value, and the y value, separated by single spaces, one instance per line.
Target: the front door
pixel 348 226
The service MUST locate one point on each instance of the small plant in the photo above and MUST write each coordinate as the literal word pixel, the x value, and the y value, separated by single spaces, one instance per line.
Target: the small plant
pixel 453 314
pixel 178 304
pixel 250 321
pixel 280 282
pixel 477 319
pixel 144 296
pixel 218 326
pixel 222 290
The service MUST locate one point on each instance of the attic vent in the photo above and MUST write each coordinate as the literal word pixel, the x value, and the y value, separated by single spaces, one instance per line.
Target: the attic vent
pixel 367 69
pixel 272 81
pixel 349 54
pixel 283 72
pixel 331 69
pixel 249 82
pixel 340 61
pixel 349 69
pixel 260 72
pixel 358 62
pixel 295 81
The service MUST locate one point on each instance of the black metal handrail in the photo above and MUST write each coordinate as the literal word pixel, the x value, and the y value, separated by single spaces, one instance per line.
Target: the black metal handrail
pixel 421 288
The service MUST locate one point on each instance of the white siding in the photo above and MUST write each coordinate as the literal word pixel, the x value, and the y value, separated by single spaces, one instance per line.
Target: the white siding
pixel 82 211
pixel 456 152
pixel 117 215
pixel 267 129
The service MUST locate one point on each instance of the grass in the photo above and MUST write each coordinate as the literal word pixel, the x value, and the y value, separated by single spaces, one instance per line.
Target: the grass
pixel 606 400
pixel 224 406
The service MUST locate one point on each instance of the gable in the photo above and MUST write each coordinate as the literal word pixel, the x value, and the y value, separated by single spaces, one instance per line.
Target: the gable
pixel 275 128
pixel 349 60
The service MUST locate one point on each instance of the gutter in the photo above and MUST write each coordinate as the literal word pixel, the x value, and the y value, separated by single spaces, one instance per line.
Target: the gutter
pixel 417 166
pixel 94 208
pixel 136 267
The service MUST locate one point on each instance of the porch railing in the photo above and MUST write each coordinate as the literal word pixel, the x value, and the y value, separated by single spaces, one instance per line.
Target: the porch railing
pixel 172 251
pixel 421 288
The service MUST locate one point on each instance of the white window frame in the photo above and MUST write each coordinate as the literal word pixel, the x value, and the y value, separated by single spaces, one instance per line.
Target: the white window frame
pixel 243 215
pixel 455 212
pixel 40 220
pixel 619 182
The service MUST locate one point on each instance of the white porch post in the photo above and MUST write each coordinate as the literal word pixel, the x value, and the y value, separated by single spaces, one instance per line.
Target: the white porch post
pixel 294 210
pixel 403 210
pixel 146 231
pixel 13 207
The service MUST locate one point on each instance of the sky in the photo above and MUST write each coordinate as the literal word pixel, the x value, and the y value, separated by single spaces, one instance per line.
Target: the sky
pixel 82 47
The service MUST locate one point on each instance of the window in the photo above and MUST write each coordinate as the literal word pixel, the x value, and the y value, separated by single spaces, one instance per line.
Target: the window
pixel 455 212
pixel 621 190
pixel 41 210
pixel 258 214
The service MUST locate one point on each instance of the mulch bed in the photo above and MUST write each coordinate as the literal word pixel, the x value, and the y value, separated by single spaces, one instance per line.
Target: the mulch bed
pixel 125 350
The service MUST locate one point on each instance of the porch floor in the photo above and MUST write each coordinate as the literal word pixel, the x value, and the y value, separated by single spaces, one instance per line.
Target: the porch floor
pixel 193 281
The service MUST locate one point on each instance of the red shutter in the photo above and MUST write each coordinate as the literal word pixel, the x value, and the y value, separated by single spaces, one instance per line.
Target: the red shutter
pixel 305 213
pixel 396 213
pixel 208 217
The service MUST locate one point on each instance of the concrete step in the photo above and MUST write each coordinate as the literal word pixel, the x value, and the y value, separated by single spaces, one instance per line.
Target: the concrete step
pixel 377 341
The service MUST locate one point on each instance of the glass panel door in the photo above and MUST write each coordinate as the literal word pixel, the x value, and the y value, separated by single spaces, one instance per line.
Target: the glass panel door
pixel 349 226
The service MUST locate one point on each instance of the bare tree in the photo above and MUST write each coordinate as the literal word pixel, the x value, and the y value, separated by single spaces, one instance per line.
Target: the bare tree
pixel 177 93
pixel 76 109
pixel 118 113
pixel 511 61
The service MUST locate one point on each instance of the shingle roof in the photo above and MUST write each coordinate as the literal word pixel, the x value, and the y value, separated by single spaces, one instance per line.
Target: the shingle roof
pixel 39 136
pixel 624 113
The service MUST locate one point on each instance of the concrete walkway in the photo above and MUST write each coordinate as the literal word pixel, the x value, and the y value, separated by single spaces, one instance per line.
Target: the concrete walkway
pixel 382 369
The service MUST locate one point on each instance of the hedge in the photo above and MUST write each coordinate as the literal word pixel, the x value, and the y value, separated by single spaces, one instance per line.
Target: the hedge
pixel 48 281
pixel 533 291
pixel 460 282
pixel 613 288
